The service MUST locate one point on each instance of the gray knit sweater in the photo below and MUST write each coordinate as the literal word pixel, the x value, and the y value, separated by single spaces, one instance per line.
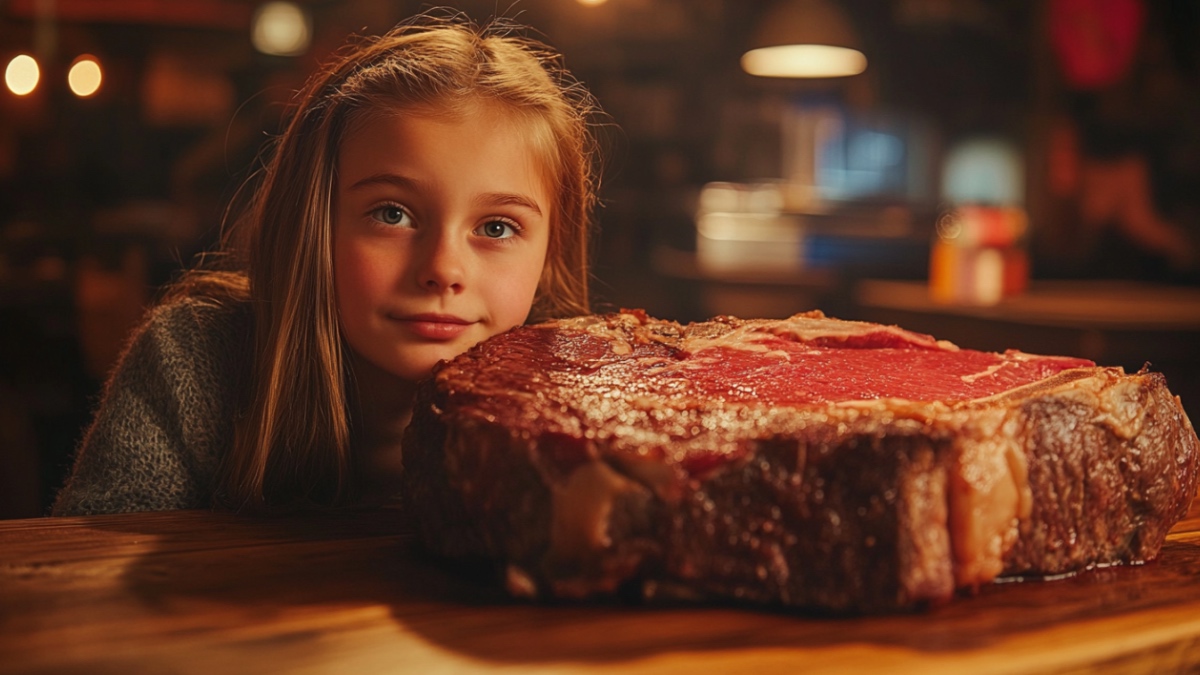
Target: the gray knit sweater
pixel 166 416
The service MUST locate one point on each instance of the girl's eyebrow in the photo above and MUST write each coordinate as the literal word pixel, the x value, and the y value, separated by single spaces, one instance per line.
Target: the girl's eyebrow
pixel 507 199
pixel 385 179
pixel 484 199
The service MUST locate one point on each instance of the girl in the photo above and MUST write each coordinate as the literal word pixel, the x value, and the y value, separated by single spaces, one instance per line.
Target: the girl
pixel 433 188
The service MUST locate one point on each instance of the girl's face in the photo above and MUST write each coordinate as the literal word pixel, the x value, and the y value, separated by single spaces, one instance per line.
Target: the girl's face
pixel 440 233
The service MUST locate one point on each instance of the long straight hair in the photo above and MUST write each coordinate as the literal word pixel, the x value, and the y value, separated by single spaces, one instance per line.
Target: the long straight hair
pixel 293 440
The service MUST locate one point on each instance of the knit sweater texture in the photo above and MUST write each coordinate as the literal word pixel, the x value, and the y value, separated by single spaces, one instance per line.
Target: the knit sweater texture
pixel 166 417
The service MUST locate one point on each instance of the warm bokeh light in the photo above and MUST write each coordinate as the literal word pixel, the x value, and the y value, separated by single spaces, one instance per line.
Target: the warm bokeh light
pixel 592 3
pixel 804 61
pixel 85 76
pixel 281 29
pixel 22 74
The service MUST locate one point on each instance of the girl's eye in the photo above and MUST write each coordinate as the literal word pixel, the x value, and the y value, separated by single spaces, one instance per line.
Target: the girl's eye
pixel 392 215
pixel 497 229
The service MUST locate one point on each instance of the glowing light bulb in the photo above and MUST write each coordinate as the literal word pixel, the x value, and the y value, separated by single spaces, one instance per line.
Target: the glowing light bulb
pixel 85 76
pixel 281 29
pixel 22 74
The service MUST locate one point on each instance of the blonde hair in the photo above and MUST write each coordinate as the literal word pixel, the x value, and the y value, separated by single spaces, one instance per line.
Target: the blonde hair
pixel 293 442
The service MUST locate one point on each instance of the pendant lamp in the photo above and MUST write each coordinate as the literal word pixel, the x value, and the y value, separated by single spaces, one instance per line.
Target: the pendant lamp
pixel 804 39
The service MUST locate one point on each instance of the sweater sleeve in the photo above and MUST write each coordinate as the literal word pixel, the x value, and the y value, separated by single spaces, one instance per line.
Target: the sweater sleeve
pixel 166 417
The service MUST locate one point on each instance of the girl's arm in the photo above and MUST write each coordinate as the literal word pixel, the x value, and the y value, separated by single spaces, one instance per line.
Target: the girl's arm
pixel 166 418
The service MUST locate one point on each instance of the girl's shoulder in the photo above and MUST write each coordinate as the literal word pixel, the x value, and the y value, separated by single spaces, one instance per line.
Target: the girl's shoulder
pixel 165 419
pixel 195 334
pixel 204 304
pixel 201 316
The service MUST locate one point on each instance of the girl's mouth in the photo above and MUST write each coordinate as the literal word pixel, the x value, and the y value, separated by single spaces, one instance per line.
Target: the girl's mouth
pixel 438 327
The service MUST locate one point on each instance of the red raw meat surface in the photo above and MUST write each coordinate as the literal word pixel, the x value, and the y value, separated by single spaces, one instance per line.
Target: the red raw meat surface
pixel 788 372
pixel 796 373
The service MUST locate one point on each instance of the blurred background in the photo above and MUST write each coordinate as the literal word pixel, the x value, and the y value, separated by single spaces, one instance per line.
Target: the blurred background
pixel 999 173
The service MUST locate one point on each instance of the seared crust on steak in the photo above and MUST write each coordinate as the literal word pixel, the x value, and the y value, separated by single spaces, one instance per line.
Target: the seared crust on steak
pixel 589 454
pixel 1112 467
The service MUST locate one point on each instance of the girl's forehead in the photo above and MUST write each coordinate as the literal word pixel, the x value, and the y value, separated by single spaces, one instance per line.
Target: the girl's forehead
pixel 455 111
pixel 531 129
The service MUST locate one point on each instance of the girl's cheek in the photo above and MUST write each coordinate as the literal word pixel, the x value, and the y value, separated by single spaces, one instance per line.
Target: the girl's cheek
pixel 356 284
pixel 364 269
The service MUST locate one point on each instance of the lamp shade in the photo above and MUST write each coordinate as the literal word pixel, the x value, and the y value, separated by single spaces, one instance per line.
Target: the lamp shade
pixel 804 38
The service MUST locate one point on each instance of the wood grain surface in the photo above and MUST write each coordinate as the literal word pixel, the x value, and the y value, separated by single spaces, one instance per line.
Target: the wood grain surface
pixel 200 592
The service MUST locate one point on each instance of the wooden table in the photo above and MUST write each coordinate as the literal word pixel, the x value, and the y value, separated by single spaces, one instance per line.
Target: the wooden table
pixel 201 592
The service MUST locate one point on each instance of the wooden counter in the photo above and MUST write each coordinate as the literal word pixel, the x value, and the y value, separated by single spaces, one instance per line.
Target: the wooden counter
pixel 200 592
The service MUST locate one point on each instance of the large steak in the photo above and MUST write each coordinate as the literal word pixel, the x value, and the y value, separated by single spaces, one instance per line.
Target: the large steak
pixel 807 462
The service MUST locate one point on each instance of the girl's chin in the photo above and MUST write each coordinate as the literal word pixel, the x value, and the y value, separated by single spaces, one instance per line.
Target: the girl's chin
pixel 420 366
pixel 413 361
pixel 380 368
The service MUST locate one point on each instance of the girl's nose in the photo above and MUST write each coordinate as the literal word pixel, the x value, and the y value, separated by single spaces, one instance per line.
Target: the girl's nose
pixel 442 267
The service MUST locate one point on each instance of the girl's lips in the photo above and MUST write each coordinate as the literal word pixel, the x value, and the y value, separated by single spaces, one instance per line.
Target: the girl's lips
pixel 434 326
